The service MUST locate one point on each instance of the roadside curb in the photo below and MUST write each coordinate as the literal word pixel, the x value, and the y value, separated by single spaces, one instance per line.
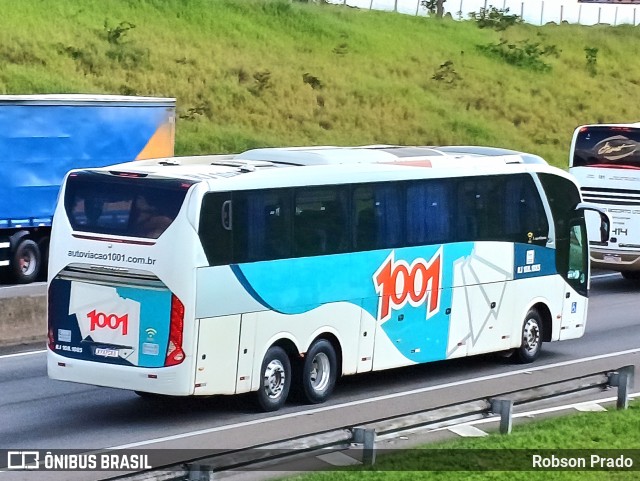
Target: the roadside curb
pixel 23 320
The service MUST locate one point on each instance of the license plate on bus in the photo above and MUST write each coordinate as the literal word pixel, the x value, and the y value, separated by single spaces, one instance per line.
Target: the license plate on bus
pixel 611 258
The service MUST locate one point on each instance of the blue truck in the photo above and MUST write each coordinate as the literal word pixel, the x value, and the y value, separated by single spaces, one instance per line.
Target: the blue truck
pixel 42 137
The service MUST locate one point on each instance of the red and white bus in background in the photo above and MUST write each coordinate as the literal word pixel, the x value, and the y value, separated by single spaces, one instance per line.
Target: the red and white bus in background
pixel 605 159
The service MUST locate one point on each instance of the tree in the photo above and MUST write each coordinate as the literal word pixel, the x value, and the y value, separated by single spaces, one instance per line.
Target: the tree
pixel 434 6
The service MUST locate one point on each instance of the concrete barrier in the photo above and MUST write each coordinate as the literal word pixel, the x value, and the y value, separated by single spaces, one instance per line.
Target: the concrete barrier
pixel 23 318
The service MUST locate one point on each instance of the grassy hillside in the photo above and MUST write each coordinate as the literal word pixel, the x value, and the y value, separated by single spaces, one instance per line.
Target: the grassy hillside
pixel 269 72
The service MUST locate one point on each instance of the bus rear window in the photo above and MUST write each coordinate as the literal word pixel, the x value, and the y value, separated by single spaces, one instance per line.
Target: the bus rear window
pixel 126 206
pixel 607 146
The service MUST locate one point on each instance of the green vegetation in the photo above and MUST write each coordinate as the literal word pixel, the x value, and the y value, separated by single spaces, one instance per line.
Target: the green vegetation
pixel 613 430
pixel 250 73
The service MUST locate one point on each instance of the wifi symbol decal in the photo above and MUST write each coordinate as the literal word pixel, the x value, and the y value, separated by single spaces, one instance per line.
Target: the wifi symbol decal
pixel 151 332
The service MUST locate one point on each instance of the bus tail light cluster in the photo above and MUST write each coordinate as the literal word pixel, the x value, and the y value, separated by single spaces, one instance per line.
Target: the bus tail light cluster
pixel 51 341
pixel 175 354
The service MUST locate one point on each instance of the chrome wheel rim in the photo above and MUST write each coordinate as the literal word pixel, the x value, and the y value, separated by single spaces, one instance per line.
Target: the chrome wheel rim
pixel 274 379
pixel 531 336
pixel 320 372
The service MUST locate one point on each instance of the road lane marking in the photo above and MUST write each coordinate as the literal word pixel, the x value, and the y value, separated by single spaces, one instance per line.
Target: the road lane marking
pixel 338 459
pixel 335 407
pixel 467 431
pixel 18 354
pixel 599 276
pixel 590 408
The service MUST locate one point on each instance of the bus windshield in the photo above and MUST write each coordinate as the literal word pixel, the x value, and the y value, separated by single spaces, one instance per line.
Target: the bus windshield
pixel 109 204
pixel 607 146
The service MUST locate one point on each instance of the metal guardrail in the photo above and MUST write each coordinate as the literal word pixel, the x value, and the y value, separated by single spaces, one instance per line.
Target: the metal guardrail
pixel 501 405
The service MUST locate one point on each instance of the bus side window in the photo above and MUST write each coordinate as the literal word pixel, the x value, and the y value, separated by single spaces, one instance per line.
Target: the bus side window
pixel 390 214
pixel 428 207
pixel 466 219
pixel 320 221
pixel 364 219
pixel 215 238
pixel 260 225
pixel 378 216
pixel 277 233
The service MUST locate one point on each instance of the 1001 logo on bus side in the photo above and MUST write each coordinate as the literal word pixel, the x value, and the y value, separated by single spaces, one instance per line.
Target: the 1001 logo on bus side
pixel 399 283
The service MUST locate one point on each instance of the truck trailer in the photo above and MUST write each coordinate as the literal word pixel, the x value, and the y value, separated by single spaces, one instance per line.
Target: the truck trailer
pixel 42 137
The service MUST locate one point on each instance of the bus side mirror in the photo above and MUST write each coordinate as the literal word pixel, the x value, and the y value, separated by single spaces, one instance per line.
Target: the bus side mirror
pixel 605 222
pixel 605 228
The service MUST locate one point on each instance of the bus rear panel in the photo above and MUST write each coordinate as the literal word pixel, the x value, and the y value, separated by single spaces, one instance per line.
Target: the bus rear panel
pixel 107 304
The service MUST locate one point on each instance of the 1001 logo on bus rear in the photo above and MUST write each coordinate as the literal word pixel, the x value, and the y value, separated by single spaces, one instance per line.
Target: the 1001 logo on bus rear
pixel 110 321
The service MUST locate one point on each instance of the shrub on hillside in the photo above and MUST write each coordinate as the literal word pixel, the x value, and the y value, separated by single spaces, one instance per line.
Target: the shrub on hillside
pixel 522 54
pixel 495 18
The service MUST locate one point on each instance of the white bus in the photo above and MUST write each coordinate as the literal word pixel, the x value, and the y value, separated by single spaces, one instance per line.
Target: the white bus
pixel 281 268
pixel 605 159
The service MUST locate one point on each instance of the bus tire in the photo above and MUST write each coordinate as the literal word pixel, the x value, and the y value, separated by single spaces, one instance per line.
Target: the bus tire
pixel 531 345
pixel 275 379
pixel 319 372
pixel 25 262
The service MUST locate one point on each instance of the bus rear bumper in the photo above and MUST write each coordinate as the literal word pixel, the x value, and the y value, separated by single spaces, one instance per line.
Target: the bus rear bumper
pixel 170 381
pixel 615 260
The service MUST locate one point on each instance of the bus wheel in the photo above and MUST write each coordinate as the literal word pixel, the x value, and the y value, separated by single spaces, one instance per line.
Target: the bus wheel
pixel 25 262
pixel 319 372
pixel 275 379
pixel 531 338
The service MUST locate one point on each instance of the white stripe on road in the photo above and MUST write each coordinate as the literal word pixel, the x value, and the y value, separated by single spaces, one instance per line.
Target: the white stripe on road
pixel 338 459
pixel 18 354
pixel 467 431
pixel 598 276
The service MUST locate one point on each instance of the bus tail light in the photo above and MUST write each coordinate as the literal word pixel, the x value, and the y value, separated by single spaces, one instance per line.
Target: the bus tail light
pixel 175 354
pixel 51 341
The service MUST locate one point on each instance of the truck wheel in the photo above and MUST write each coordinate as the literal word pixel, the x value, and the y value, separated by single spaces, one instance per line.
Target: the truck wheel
pixel 25 262
pixel 43 245
pixel 275 379
pixel 319 372
pixel 529 350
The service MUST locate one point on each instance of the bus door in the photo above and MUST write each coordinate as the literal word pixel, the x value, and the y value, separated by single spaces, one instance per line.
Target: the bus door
pixel 573 252
pixel 576 275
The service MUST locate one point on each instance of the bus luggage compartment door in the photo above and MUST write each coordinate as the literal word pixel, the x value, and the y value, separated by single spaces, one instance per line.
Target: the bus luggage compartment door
pixel 217 361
